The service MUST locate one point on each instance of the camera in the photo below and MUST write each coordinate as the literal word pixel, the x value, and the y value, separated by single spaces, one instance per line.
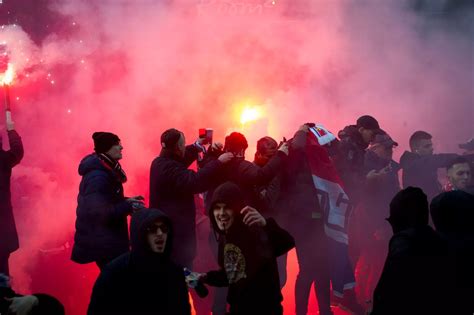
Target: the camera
pixel 206 134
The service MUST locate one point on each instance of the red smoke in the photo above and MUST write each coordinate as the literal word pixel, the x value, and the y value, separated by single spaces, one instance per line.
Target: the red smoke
pixel 137 68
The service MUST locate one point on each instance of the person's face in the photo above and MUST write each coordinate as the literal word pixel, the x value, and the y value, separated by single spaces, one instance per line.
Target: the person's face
pixel 157 234
pixel 383 151
pixel 223 215
pixel 425 147
pixel 265 156
pixel 367 134
pixel 181 146
pixel 459 175
pixel 115 152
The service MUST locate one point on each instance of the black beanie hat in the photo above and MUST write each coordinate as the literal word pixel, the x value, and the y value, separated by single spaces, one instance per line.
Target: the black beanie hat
pixel 103 141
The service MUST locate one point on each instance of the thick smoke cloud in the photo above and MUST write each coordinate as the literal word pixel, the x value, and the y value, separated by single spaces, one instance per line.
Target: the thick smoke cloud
pixel 137 68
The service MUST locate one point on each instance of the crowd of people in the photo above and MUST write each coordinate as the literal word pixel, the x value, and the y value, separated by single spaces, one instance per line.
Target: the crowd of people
pixel 222 232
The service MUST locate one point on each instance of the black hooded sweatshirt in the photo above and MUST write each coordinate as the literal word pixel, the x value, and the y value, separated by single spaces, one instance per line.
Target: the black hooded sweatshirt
pixel 142 282
pixel 247 258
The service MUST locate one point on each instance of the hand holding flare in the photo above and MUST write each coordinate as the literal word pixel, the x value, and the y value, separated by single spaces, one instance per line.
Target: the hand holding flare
pixel 7 79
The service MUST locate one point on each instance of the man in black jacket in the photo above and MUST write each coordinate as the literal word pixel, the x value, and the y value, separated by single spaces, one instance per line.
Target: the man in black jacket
pixel 381 186
pixel 248 247
pixel 420 166
pixel 172 189
pixel 144 281
pixel 416 278
pixel 8 159
pixel 348 154
pixel 102 210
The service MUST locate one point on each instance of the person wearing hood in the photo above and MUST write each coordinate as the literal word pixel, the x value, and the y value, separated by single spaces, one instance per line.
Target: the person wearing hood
pixel 453 217
pixel 249 245
pixel 102 210
pixel 173 185
pixel 416 278
pixel 8 159
pixel 144 281
pixel 420 165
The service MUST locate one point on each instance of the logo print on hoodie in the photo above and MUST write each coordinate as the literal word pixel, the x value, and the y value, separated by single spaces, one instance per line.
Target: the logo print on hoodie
pixel 234 263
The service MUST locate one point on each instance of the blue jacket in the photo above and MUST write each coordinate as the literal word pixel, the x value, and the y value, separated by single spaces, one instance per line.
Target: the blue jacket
pixel 101 215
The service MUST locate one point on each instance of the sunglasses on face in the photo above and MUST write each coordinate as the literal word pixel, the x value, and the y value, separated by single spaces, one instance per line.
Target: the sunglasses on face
pixel 154 228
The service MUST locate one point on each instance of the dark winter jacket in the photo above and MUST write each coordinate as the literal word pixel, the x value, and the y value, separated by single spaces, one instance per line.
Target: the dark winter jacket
pixel 298 208
pixel 422 171
pixel 172 189
pixel 348 155
pixel 379 192
pixel 142 282
pixel 101 221
pixel 417 276
pixel 453 217
pixel 247 257
pixel 8 159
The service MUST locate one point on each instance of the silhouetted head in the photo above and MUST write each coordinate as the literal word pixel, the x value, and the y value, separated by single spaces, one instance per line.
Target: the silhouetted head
pixel 453 212
pixel 408 209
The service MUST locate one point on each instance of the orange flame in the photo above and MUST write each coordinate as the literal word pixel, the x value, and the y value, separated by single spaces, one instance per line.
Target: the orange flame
pixel 250 113
pixel 8 76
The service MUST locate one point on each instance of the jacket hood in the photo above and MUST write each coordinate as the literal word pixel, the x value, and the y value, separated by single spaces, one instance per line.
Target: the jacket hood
pixel 230 194
pixel 141 220
pixel 90 163
pixel 419 239
pixel 407 158
pixel 453 212
pixel 352 133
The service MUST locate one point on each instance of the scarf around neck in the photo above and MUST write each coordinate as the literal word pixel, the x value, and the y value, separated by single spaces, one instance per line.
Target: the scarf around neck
pixel 113 166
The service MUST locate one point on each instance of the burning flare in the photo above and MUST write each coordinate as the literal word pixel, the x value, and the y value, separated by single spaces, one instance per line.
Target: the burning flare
pixel 8 76
pixel 250 114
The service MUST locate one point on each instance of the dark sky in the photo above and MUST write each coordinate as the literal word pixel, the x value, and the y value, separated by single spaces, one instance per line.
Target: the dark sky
pixel 34 16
